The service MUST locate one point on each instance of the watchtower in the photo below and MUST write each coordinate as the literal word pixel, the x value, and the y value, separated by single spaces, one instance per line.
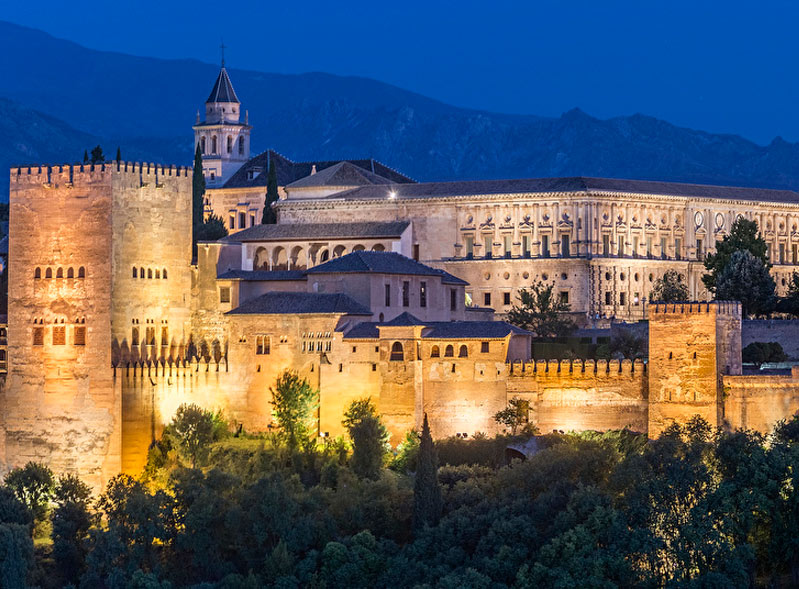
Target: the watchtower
pixel 691 346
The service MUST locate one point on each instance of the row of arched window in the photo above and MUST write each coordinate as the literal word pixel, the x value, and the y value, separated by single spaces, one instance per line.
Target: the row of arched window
pixel 229 145
pixel 59 272
pixel 158 273
pixel 398 354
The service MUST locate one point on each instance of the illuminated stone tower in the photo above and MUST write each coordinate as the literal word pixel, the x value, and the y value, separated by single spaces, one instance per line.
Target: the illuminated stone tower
pixel 223 140
pixel 691 347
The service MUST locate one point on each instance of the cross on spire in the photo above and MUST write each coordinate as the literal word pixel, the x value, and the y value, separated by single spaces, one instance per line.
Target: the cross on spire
pixel 222 48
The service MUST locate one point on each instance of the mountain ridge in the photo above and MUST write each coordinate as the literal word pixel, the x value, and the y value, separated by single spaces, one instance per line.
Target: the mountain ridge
pixel 61 98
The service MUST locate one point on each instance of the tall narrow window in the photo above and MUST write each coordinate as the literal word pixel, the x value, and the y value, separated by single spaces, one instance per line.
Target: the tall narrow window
pixel 423 294
pixel 699 247
pixel 487 299
pixel 135 272
pixel 622 298
pixel 224 294
pixel 677 248
pixel 608 298
pixel 165 336
pixel 545 246
pixel 229 144
pixel 620 251
pixel 149 336
pixel 782 253
pixel 485 347
pixel 38 336
pixel 406 293
pixel 565 246
pixel 507 245
pixel 488 242
pixel 80 335
pixel 453 299
pixel 231 222
pixel 213 145
pixel 664 248
pixel 38 272
pixel 526 246
pixel 605 244
pixel 242 221
pixel 263 345
pixel 149 272
pixel 469 246
pixel 202 145
pixel 241 145
pixel 134 337
pixel 635 246
pixel 59 273
pixel 648 246
pixel 416 251
pixel 252 220
pixel 387 290
pixel 70 272
pixel 59 335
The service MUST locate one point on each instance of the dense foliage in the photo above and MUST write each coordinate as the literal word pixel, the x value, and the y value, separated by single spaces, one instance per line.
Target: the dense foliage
pixel 747 279
pixel 542 311
pixel 670 288
pixel 744 236
pixel 762 352
pixel 694 508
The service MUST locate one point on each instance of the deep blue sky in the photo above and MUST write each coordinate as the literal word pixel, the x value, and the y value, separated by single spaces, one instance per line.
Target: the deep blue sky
pixel 723 66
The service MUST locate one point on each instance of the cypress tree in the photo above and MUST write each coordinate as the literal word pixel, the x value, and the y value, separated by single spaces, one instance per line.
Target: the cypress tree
pixel 271 195
pixel 197 194
pixel 426 490
pixel 85 157
pixel 119 154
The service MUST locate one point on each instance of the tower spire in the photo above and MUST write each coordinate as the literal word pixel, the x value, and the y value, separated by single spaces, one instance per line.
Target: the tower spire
pixel 222 48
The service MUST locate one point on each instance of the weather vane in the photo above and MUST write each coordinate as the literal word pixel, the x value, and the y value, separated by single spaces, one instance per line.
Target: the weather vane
pixel 222 48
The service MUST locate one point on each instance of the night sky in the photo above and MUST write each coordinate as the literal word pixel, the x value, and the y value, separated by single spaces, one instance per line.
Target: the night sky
pixel 720 66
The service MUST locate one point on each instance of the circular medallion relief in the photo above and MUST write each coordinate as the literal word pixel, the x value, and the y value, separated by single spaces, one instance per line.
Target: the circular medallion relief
pixel 525 275
pixel 719 221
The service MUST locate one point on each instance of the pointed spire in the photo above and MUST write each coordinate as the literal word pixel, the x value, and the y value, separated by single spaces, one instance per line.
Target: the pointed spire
pixel 223 89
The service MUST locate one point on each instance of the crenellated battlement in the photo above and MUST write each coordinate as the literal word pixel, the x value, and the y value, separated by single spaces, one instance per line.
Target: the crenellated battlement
pixel 71 174
pixel 606 369
pixel 731 308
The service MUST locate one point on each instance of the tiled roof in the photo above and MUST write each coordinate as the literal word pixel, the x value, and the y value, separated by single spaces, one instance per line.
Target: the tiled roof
pixel 223 89
pixel 404 319
pixel 280 303
pixel 288 231
pixel 288 171
pixel 340 174
pixel 575 184
pixel 262 275
pixel 443 329
pixel 364 262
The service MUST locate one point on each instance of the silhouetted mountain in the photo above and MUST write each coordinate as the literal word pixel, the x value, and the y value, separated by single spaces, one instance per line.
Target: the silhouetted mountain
pixel 68 98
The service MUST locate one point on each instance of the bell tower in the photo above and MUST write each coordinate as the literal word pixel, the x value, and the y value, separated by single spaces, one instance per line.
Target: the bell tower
pixel 224 141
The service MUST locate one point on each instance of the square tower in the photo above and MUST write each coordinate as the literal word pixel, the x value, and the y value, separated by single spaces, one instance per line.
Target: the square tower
pixel 691 346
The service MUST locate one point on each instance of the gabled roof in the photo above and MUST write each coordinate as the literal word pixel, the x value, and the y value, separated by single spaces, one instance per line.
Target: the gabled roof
pixel 579 184
pixel 403 320
pixel 223 89
pixel 262 275
pixel 282 303
pixel 283 232
pixel 289 171
pixel 364 262
pixel 340 174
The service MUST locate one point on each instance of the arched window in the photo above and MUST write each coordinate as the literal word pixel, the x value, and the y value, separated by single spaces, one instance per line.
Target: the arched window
pixel 241 145
pixel 213 145
pixel 202 145
pixel 163 274
pixel 463 352
pixel 158 274
pixel 134 340
pixel 229 144
pixel 449 352
pixel 48 273
pixel 37 273
pixel 149 272
pixel 135 272
pixel 435 352
pixel 141 272
pixel 164 336
pixel 81 272
pixel 70 272
pixel 59 273
pixel 396 352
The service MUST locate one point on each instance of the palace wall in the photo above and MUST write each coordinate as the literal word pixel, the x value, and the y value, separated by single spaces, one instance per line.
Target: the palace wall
pixel 759 402
pixel 573 395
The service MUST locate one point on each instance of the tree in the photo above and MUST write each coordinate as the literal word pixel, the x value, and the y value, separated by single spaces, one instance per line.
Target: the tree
pixel 85 157
pixel 669 288
pixel 542 312
pixel 369 437
pixel 747 279
pixel 426 490
pixel 212 229
pixel 97 156
pixel 293 402
pixel 119 155
pixel 197 197
pixel 514 416
pixel 33 485
pixel 790 302
pixel 762 352
pixel 272 196
pixel 744 236
pixel 72 520
pixel 194 428
pixel 625 343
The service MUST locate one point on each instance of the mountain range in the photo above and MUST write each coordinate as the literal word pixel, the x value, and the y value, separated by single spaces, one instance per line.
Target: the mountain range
pixel 58 99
